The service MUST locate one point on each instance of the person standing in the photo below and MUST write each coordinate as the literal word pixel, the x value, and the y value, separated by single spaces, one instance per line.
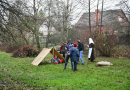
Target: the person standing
pixel 75 45
pixel 80 48
pixel 74 54
pixel 91 50
pixel 68 46
pixel 62 49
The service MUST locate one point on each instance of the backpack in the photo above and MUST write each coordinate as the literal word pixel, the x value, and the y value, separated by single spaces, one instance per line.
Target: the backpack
pixel 69 46
pixel 63 48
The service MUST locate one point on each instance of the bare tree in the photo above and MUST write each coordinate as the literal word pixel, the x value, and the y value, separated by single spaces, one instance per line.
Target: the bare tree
pixel 97 13
pixel 124 5
pixel 35 31
pixel 61 16
pixel 9 21
pixel 101 14
pixel 49 20
pixel 68 8
pixel 89 19
pixel 17 17
pixel 88 6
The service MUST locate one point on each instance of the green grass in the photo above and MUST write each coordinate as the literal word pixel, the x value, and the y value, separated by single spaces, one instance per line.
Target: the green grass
pixel 17 73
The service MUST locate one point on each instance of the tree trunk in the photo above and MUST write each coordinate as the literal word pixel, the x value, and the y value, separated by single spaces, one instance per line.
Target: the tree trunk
pixel 23 36
pixel 89 19
pixel 47 41
pixel 49 23
pixel 48 36
pixel 35 29
pixel 97 22
pixel 67 19
pixel 101 15
pixel 11 34
pixel 37 40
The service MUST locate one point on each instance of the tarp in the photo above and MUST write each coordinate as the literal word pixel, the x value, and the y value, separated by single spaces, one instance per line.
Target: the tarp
pixel 43 54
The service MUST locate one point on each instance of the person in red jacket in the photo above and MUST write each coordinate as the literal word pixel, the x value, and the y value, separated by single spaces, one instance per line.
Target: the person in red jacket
pixel 62 49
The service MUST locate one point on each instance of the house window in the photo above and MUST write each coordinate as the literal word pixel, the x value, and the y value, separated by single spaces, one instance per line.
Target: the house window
pixel 120 19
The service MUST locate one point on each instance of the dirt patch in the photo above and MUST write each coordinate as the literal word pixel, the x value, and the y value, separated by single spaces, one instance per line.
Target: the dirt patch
pixel 118 82
pixel 4 84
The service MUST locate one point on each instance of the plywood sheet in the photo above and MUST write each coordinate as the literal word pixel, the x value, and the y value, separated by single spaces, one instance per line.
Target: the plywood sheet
pixel 41 56
pixel 54 52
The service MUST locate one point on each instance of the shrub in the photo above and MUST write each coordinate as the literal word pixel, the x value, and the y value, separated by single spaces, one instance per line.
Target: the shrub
pixel 26 50
pixel 8 48
pixel 122 51
pixel 3 47
pixel 104 44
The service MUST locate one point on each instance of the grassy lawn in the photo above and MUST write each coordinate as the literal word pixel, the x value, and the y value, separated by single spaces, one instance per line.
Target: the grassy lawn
pixel 19 73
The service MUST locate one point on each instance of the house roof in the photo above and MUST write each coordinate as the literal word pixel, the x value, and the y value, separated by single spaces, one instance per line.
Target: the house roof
pixel 109 16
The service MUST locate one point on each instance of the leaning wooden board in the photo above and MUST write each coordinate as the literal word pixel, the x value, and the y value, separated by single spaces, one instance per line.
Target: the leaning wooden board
pixel 54 52
pixel 43 54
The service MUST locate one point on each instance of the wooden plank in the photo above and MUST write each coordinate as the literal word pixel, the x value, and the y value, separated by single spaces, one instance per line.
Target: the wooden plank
pixel 54 52
pixel 41 56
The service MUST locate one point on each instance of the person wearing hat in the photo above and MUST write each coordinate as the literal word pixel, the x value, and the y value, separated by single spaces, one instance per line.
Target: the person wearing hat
pixel 91 50
pixel 75 45
pixel 62 49
pixel 74 54
pixel 68 47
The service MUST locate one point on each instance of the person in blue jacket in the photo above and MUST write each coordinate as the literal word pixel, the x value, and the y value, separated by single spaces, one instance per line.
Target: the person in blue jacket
pixel 74 54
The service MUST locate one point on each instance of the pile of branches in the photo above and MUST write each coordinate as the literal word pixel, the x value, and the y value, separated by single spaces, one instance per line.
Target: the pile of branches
pixel 26 51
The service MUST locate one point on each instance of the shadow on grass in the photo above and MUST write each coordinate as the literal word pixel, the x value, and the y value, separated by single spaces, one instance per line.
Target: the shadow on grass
pixel 45 63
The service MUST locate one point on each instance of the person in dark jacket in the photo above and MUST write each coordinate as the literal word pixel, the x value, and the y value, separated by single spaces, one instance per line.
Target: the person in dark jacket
pixel 62 49
pixel 74 54
pixel 91 50
pixel 68 47
pixel 80 48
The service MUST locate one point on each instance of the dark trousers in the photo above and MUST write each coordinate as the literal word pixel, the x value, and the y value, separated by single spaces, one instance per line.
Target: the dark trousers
pixel 67 58
pixel 75 66
pixel 63 54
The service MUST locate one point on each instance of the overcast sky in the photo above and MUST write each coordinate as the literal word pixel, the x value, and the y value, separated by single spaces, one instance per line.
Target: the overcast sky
pixel 83 7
